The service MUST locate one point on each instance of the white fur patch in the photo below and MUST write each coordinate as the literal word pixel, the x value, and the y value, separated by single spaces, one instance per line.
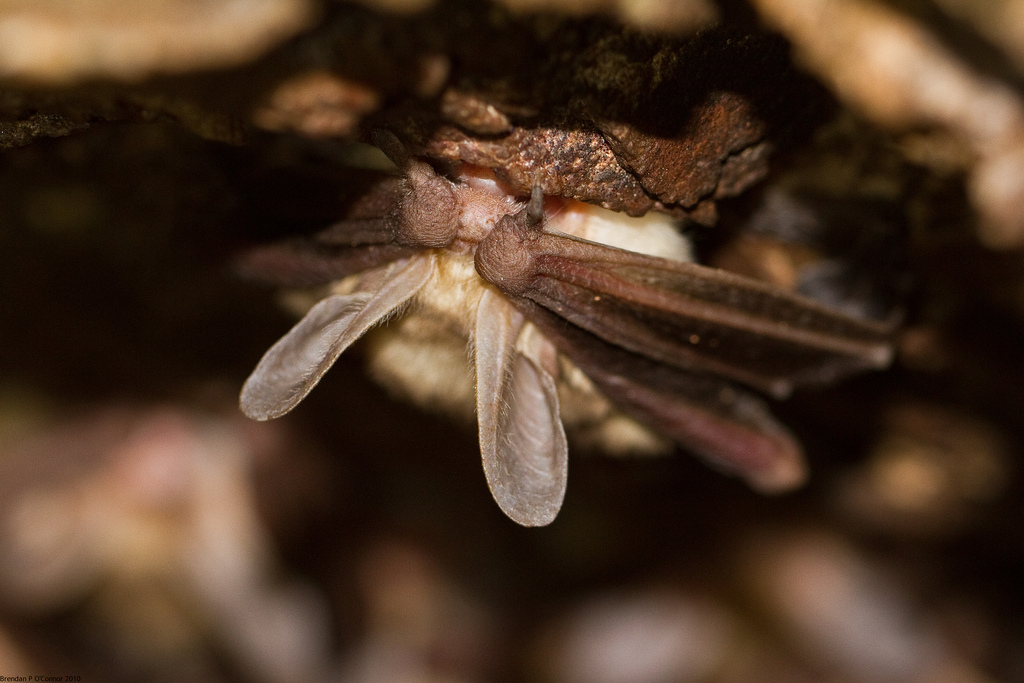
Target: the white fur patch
pixel 423 355
pixel 653 234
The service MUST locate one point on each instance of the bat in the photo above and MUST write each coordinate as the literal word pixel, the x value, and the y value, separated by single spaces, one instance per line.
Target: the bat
pixel 558 312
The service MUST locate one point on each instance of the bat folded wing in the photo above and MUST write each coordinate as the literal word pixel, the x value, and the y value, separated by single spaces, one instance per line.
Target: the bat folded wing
pixel 685 315
pixel 728 427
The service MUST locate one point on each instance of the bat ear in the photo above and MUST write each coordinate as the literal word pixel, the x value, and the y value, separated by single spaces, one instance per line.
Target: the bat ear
pixel 294 365
pixel 522 442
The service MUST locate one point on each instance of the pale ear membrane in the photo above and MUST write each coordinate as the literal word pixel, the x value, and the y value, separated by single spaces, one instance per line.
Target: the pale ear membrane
pixel 522 442
pixel 291 368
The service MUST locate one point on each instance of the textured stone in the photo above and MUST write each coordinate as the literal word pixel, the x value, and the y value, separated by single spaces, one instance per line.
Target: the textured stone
pixel 573 162
pixel 688 167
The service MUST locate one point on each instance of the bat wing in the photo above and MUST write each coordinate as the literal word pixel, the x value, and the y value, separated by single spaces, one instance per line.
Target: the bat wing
pixel 726 426
pixel 292 367
pixel 522 442
pixel 684 315
pixel 397 219
pixel 345 248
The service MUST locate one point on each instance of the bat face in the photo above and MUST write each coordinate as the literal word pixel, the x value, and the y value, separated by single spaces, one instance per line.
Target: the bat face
pixel 575 316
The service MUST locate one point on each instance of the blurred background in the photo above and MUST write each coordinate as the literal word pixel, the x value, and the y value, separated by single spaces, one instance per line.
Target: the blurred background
pixel 149 532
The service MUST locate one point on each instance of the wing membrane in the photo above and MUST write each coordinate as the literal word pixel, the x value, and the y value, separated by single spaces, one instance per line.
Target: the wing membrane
pixel 726 426
pixel 682 314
